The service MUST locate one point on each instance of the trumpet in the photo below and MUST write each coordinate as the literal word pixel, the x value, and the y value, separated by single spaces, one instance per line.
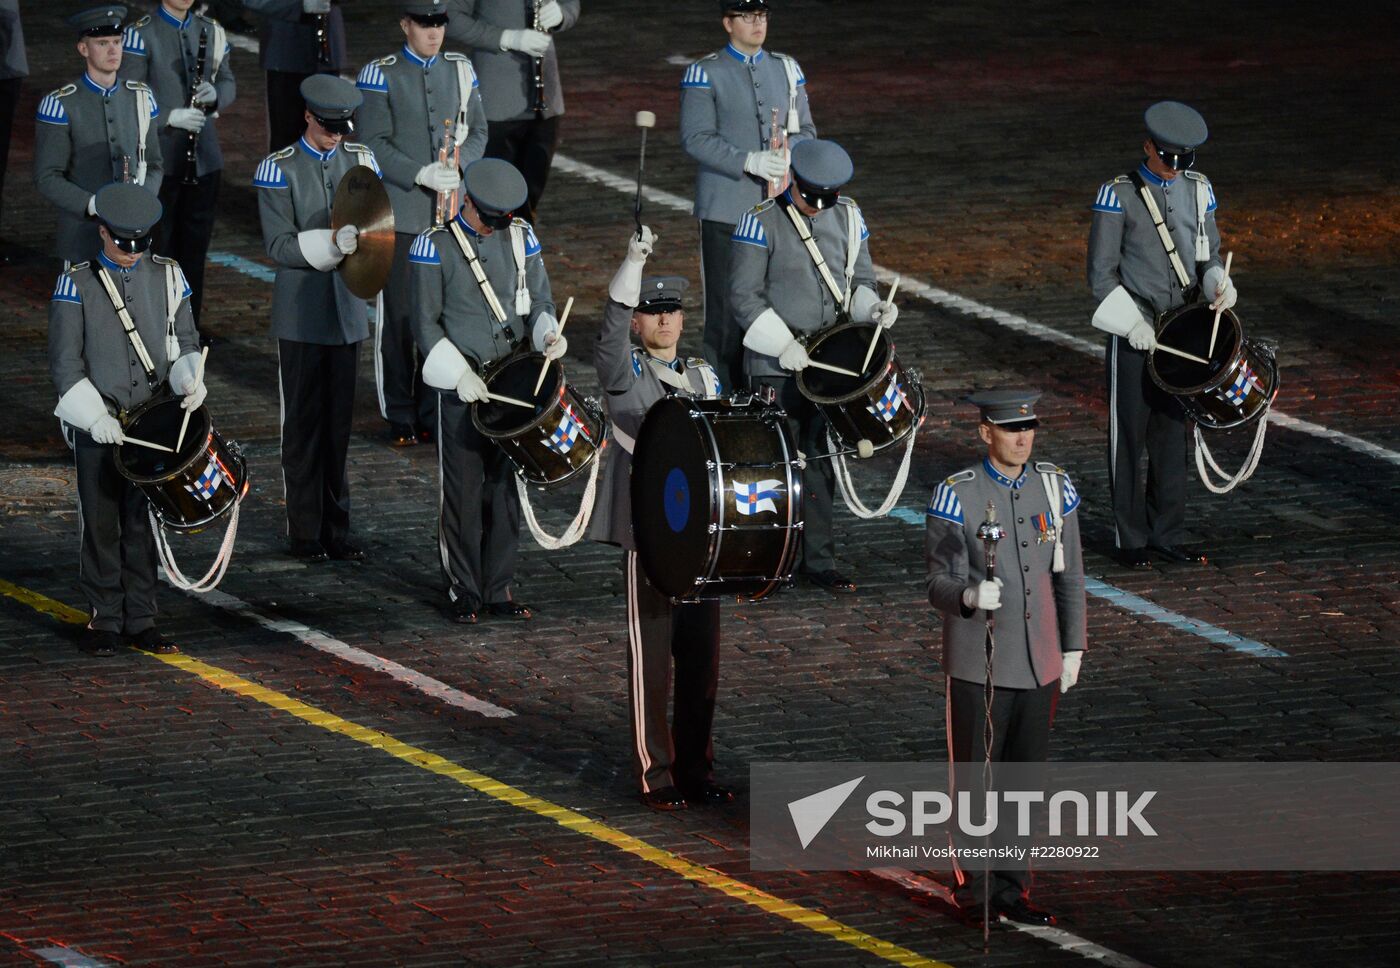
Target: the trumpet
pixel 777 141
pixel 447 202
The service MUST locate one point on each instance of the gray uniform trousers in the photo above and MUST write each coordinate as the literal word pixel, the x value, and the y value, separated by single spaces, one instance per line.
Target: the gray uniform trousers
pixel 406 399
pixel 808 426
pixel 723 337
pixel 117 553
pixel 1144 419
pixel 479 510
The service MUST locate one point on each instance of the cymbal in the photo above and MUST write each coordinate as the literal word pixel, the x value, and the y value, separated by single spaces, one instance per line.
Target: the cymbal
pixel 361 201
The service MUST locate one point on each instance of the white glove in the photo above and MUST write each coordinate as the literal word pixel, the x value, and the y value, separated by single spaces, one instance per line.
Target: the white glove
pixel 555 346
pixel 106 430
pixel 985 595
pixel 319 249
pixel 316 6
pixel 1069 675
pixel 471 388
pixel 769 165
pixel 188 119
pixel 794 357
pixel 1221 287
pixel 626 286
pixel 347 239
pixel 885 314
pixel 205 93
pixel 1141 337
pixel 184 376
pixel 639 250
pixel 92 206
pixel 195 397
pixel 550 15
pixel 438 177
pixel 532 43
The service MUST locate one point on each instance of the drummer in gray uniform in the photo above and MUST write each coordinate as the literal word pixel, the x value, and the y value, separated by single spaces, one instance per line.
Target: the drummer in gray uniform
pixel 102 374
pixel 727 102
pixel 463 322
pixel 1037 597
pixel 317 321
pixel 298 38
pixel 778 294
pixel 1136 277
pixel 673 763
pixel 408 96
pixel 93 132
pixel 162 50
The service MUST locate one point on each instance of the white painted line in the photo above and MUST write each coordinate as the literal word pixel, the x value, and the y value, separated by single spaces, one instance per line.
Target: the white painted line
pixel 971 307
pixel 433 688
pixel 60 955
pixel 1059 937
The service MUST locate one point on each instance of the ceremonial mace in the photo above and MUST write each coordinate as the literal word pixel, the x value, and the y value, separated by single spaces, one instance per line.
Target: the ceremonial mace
pixel 645 120
pixel 989 532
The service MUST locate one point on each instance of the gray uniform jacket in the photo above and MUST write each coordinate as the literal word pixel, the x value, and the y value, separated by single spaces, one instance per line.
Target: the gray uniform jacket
pixel 406 101
pixel 1042 613
pixel 727 102
pixel 770 268
pixel 1124 247
pixel 86 338
pixel 13 62
pixel 507 76
pixel 163 52
pixel 82 134
pixel 633 381
pixel 296 188
pixel 287 40
pixel 448 302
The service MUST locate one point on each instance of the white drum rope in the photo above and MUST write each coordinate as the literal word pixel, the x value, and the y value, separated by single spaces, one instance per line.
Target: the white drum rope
pixel 577 526
pixel 847 486
pixel 1228 482
pixel 215 574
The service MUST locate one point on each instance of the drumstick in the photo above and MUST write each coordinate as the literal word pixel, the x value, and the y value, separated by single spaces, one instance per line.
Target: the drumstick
pixel 875 336
pixel 544 367
pixel 1215 328
pixel 833 369
pixel 501 398
pixel 198 375
pixel 1164 348
pixel 147 443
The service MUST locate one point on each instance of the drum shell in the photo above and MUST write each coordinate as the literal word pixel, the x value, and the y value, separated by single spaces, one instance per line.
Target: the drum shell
pixel 537 444
pixel 1237 387
pixel 706 548
pixel 176 484
pixel 884 406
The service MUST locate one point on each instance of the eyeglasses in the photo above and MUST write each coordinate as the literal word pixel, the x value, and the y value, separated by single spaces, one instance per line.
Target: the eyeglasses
pixel 752 17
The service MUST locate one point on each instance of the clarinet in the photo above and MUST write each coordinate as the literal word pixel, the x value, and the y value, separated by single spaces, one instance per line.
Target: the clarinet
pixel 539 105
pixel 192 143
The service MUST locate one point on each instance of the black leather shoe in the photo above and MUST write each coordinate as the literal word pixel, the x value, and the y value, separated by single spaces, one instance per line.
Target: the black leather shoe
pixel 100 642
pixel 1173 553
pixel 833 581
pixel 152 641
pixel 507 610
pixel 308 551
pixel 666 799
pixel 1135 558
pixel 425 435
pixel 402 435
pixel 462 612
pixel 345 551
pixel 707 794
pixel 1023 912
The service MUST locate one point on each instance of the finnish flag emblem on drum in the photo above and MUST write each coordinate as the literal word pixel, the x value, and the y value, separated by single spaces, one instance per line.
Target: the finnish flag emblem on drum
pixel 888 405
pixel 570 426
pixel 208 482
pixel 1239 390
pixel 756 497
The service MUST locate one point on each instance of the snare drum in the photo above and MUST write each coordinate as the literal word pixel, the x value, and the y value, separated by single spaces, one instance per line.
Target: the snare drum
pixel 716 498
pixel 192 488
pixel 554 440
pixel 883 405
pixel 1238 384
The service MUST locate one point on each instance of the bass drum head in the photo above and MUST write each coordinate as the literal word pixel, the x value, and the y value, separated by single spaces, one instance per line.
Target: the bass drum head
pixel 843 346
pixel 158 421
pixel 515 377
pixel 1188 329
pixel 672 497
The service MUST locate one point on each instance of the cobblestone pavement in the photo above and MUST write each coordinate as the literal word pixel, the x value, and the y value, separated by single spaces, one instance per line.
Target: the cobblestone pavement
pixel 157 814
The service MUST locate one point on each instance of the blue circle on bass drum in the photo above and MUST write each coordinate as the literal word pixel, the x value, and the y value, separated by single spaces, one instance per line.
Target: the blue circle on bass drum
pixel 677 500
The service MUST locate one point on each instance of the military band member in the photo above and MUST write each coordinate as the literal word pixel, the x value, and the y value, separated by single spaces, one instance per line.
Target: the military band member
pixel 674 763
pixel 318 322
pixel 298 38
pixel 162 50
pixel 1135 278
pixel 94 132
pixel 408 96
pixel 727 102
pixel 778 293
pixel 101 374
pixel 475 302
pixel 512 47
pixel 1038 600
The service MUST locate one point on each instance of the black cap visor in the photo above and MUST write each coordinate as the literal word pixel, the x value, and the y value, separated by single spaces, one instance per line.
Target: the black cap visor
pixel 132 246
pixel 658 306
pixel 1176 159
pixel 493 220
pixel 1016 426
pixel 819 198
pixel 103 30
pixel 335 125
pixel 428 19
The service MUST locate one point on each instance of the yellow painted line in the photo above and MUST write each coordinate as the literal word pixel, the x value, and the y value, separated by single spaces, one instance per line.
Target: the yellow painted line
pixel 577 822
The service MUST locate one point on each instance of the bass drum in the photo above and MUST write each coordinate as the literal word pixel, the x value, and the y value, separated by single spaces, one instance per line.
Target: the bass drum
pixel 884 405
pixel 193 487
pixel 716 498
pixel 1237 384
